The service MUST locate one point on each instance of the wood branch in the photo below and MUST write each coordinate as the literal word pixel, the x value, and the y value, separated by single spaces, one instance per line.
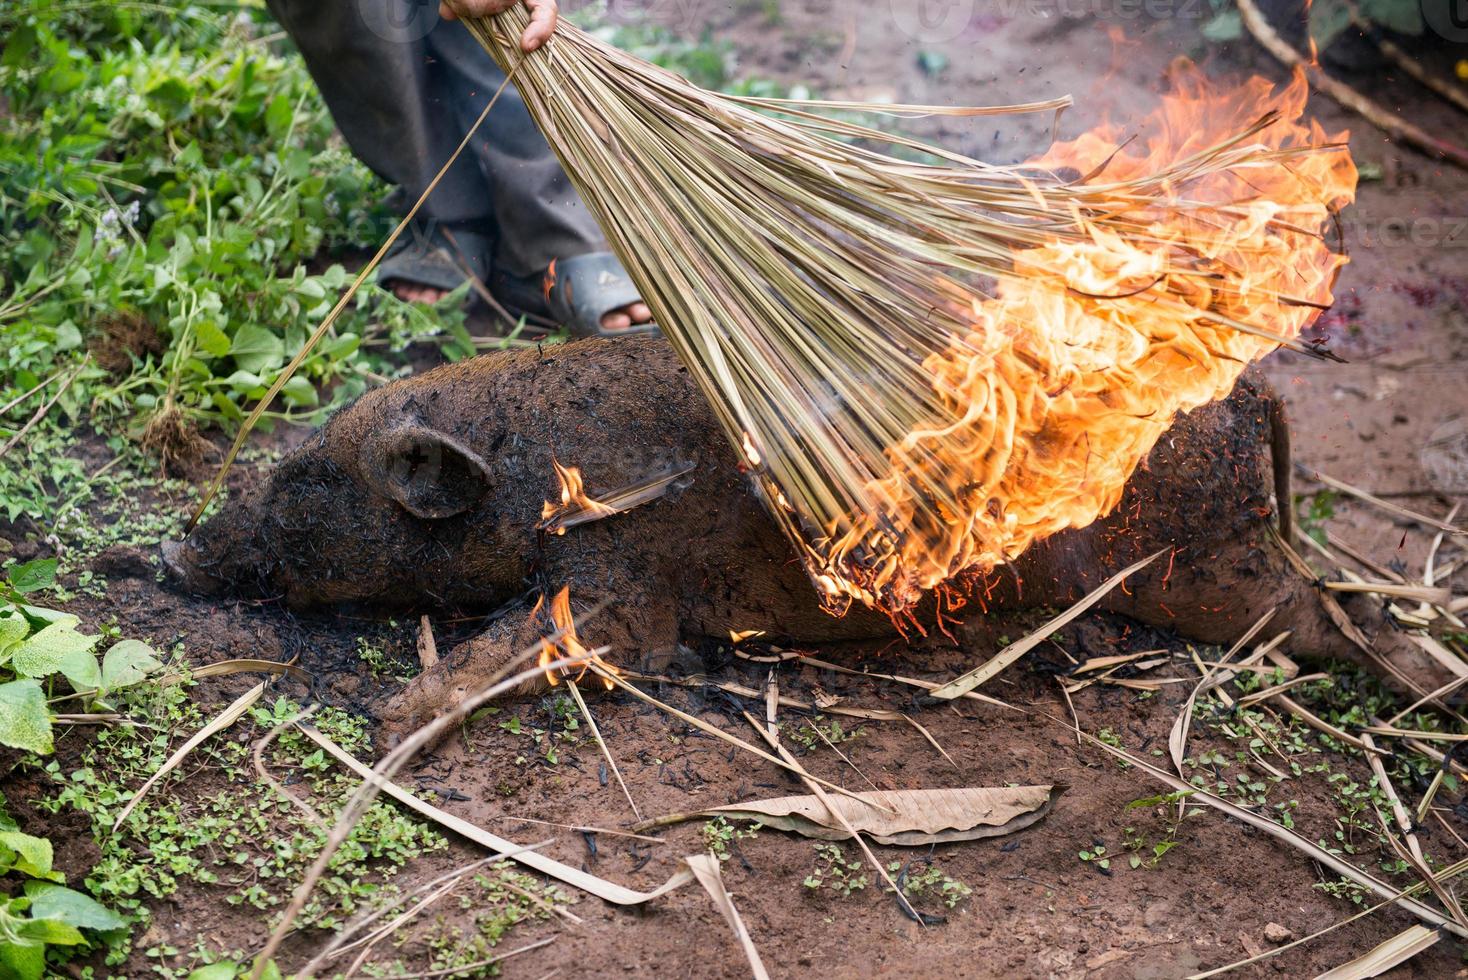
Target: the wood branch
pixel 1382 118
pixel 1445 89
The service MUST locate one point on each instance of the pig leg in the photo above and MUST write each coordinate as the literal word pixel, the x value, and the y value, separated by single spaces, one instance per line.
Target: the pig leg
pixel 1203 499
pixel 629 629
pixel 469 668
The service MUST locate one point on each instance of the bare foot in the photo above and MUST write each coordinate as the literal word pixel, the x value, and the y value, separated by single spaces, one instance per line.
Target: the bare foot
pixel 412 292
pixel 624 317
pixel 613 321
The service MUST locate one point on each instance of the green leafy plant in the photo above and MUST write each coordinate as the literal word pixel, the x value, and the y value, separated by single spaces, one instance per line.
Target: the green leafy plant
pixel 1171 810
pixel 836 872
pixel 1096 855
pixel 380 662
pixel 38 644
pixel 1318 508
pixel 931 880
pixel 821 731
pixel 164 184
pixel 44 914
pixel 720 836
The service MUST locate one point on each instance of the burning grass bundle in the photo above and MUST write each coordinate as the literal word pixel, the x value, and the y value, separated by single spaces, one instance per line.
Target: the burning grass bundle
pixel 929 364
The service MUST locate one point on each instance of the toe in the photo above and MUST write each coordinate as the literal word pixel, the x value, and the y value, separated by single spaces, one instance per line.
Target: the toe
pixel 414 293
pixel 615 321
pixel 640 313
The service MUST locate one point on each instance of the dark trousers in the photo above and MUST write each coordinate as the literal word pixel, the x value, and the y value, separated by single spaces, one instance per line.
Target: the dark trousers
pixel 404 87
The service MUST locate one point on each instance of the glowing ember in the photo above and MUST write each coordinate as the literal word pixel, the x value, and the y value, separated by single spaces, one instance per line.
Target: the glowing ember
pixel 561 641
pixel 1075 367
pixel 751 453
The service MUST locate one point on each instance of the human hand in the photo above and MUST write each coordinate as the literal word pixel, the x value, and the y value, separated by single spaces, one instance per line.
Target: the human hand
pixel 543 14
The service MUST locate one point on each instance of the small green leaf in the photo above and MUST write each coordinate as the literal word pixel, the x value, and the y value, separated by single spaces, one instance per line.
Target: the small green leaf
pixel 68 337
pixel 25 719
pixel 18 46
pixel 48 651
pixel 224 970
pixel 49 932
pixel 256 349
pixel 278 117
pixel 37 614
pixel 311 288
pixel 299 391
pixel 67 905
pixel 343 346
pixel 33 855
pixel 22 962
pixel 128 662
pixel 33 575
pixel 79 667
pixel 211 339
pixel 13 629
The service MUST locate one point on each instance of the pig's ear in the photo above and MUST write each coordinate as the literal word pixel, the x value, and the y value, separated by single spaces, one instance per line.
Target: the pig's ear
pixel 432 475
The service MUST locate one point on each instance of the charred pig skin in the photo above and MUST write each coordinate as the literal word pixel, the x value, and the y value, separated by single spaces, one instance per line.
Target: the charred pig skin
pixel 428 492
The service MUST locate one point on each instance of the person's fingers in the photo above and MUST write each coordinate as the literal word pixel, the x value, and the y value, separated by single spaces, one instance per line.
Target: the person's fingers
pixel 639 312
pixel 543 14
pixel 615 321
pixel 472 8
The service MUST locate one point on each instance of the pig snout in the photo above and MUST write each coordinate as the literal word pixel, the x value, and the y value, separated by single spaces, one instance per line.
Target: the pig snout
pixel 181 564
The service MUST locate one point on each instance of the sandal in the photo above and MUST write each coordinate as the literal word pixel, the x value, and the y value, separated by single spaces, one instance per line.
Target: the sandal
pixel 584 288
pixel 436 256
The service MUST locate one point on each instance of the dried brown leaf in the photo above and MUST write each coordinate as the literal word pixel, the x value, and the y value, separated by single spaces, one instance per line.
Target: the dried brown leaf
pixel 918 817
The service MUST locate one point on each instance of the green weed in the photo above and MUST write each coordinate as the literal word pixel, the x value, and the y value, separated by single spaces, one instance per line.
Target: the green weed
pixel 820 731
pixel 836 872
pixel 720 836
pixel 251 844
pixel 930 881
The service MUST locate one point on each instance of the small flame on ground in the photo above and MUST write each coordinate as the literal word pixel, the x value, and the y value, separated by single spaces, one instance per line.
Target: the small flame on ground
pixel 568 646
pixel 739 636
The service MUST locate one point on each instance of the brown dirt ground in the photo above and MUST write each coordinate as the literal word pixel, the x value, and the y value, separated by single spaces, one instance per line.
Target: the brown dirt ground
pixel 1036 909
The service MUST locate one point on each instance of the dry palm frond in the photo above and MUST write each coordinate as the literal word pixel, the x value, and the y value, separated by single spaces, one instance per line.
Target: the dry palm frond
pixel 928 365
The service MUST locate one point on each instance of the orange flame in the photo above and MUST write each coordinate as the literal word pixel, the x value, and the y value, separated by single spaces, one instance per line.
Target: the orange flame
pixel 568 645
pixel 573 500
pixel 1075 367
